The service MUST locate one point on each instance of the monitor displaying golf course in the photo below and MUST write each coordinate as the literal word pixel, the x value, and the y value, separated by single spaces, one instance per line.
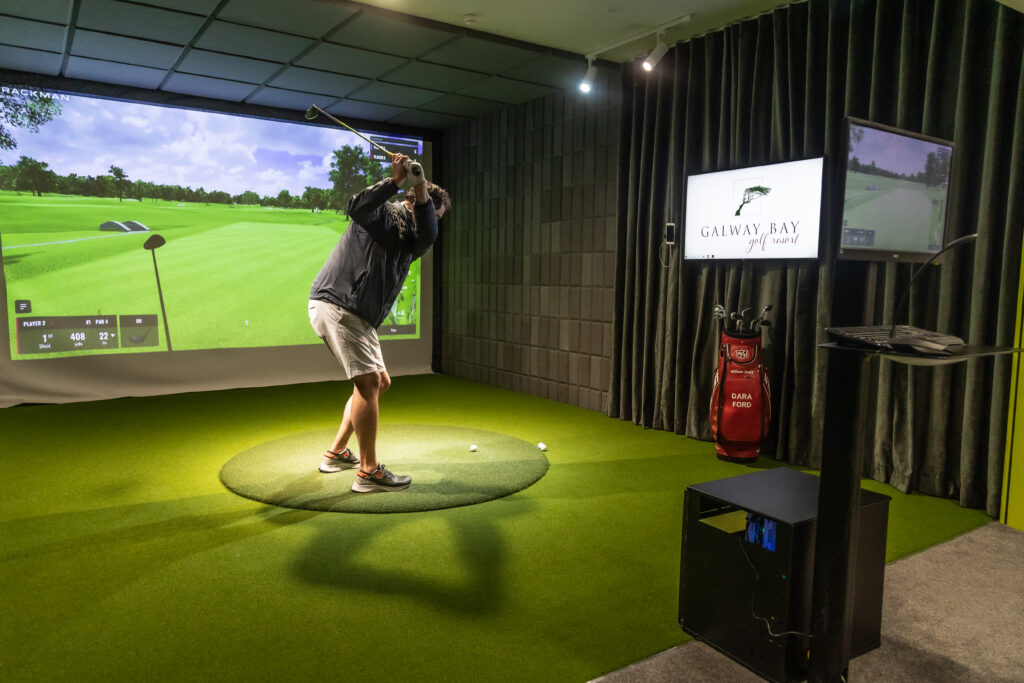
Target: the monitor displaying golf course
pixel 129 227
pixel 895 194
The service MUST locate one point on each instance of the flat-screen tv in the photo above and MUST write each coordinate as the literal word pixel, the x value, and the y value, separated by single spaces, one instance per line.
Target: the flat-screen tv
pixel 132 228
pixel 760 212
pixel 895 193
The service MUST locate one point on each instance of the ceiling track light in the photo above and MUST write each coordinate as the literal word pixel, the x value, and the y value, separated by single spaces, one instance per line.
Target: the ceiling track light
pixel 655 56
pixel 652 59
pixel 588 78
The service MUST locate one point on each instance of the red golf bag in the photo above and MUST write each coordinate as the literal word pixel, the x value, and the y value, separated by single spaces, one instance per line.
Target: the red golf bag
pixel 741 401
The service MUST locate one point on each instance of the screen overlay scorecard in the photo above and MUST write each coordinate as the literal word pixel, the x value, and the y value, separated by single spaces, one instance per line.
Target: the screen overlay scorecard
pixel 128 227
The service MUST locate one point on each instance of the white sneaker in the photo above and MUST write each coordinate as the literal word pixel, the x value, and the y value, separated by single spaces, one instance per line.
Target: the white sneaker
pixel 381 479
pixel 336 462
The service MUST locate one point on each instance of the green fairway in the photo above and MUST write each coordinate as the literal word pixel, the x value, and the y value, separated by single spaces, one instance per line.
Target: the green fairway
pixel 899 212
pixel 131 562
pixel 231 276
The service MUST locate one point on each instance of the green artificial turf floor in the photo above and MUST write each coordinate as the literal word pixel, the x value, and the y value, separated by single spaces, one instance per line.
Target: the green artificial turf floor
pixel 123 558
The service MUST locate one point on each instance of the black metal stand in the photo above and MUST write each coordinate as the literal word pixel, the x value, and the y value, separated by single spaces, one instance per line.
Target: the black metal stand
pixel 835 554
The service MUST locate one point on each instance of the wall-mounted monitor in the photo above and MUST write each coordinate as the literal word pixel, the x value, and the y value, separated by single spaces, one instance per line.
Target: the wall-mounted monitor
pixel 759 212
pixel 895 193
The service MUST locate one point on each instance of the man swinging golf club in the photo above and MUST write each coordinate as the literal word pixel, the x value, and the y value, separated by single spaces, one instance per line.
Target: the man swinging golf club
pixel 352 295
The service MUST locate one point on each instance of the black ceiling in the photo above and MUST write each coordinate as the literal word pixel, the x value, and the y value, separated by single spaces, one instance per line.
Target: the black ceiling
pixel 353 60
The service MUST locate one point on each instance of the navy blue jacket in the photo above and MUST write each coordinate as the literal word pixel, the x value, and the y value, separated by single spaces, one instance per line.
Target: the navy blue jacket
pixel 368 266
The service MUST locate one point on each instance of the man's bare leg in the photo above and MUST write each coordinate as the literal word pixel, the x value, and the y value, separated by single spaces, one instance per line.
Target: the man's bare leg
pixel 363 416
pixel 345 431
pixel 365 410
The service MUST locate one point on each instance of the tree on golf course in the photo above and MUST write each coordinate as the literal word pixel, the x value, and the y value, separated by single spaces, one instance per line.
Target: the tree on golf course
pixel 24 111
pixel 351 171
pixel 8 177
pixel 247 197
pixel 936 167
pixel 283 199
pixel 34 176
pixel 120 181
pixel 316 198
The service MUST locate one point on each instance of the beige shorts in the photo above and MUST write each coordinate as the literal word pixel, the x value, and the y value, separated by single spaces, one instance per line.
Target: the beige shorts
pixel 352 340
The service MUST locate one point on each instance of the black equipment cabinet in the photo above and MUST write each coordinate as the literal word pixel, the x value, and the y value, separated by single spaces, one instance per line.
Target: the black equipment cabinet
pixel 747 567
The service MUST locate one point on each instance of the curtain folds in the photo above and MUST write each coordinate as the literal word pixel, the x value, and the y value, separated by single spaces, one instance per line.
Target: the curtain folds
pixel 777 88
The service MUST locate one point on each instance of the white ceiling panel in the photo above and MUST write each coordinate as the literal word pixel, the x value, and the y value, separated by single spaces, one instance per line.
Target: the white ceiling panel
pixel 286 99
pixel 110 72
pixel 217 65
pixel 138 21
pixel 55 11
pixel 389 33
pixel 37 35
pixel 200 7
pixel 303 17
pixel 119 48
pixel 417 73
pixel 350 60
pixel 222 36
pixel 24 59
pixel 368 111
pixel 312 80
pixel 214 88
pixel 485 56
pixel 398 95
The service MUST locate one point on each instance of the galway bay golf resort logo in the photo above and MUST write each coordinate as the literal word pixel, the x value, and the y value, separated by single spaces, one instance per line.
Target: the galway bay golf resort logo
pixel 763 212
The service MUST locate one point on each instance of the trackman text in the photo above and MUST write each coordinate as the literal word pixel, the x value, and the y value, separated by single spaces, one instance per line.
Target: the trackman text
pixel 8 90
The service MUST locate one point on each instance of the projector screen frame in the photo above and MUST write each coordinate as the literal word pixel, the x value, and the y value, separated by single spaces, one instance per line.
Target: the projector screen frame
pixel 57 380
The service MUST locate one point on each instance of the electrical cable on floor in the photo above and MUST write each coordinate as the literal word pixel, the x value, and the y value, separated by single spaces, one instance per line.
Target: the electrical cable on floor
pixel 753 598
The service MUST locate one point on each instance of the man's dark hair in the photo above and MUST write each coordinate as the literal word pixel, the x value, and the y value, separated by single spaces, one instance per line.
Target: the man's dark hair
pixel 439 196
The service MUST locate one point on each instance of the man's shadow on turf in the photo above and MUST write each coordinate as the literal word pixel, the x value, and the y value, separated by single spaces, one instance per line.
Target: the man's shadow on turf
pixel 334 558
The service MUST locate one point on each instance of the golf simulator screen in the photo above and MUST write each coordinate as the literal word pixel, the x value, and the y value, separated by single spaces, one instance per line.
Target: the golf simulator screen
pixel 133 228
pixel 896 194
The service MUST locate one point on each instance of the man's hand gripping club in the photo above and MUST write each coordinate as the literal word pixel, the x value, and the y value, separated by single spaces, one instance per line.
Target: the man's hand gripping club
pixel 405 172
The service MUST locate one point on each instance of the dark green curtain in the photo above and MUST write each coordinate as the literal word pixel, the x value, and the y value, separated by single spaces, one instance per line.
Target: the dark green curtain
pixel 777 88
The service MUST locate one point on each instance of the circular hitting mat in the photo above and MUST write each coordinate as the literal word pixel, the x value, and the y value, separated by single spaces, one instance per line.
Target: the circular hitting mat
pixel 445 473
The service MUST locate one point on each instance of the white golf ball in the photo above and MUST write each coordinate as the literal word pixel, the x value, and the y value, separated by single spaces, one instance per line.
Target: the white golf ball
pixel 472 449
pixel 542 446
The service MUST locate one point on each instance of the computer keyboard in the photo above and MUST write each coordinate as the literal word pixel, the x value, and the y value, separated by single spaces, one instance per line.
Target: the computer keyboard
pixel 878 336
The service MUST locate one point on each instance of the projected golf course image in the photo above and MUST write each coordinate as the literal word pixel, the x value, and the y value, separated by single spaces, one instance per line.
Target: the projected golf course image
pixel 896 212
pixel 231 276
pixel 896 191
pixel 90 181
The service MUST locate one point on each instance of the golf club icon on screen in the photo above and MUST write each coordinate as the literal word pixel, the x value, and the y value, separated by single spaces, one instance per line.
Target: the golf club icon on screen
pixel 152 244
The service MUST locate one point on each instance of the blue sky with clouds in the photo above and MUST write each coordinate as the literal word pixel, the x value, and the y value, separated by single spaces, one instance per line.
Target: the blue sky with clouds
pixel 897 153
pixel 166 145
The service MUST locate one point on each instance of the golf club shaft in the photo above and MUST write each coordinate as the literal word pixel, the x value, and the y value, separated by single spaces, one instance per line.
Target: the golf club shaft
pixel 342 123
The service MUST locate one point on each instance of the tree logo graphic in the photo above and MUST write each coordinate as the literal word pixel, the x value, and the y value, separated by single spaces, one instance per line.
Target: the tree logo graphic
pixel 750 194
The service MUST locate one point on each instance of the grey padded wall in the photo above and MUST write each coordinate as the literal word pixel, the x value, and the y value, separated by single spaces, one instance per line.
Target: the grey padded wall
pixel 528 252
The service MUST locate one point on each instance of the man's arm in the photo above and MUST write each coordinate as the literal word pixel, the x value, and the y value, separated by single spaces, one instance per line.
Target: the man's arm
pixel 426 220
pixel 367 206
